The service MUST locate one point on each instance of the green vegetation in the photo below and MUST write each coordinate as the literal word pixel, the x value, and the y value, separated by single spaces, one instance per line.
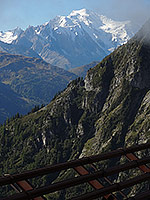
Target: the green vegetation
pixel 107 110
pixel 47 135
pixel 29 82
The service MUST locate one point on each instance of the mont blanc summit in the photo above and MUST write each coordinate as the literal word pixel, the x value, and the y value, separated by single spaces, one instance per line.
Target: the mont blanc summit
pixel 70 41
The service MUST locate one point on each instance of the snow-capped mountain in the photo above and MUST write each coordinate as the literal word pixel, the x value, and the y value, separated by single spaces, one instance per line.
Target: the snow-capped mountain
pixel 73 40
pixel 10 35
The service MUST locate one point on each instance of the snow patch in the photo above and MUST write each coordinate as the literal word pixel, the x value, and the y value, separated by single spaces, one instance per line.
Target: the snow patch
pixel 37 32
pixel 10 36
pixel 95 35
pixel 7 37
pixel 116 29
pixel 111 49
pixel 45 23
pixel 105 32
pixel 62 21
pixel 82 12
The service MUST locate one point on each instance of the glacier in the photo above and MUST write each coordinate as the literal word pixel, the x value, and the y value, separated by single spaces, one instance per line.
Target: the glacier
pixel 70 41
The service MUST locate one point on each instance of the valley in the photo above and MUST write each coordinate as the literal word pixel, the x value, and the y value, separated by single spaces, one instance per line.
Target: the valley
pixel 100 113
pixel 55 107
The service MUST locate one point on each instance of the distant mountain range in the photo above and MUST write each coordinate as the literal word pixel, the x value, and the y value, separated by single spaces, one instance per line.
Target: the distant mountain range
pixel 11 103
pixel 69 41
pixel 82 70
pixel 26 82
pixel 107 110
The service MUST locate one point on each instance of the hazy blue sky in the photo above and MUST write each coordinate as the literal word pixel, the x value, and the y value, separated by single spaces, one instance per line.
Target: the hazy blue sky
pixel 22 13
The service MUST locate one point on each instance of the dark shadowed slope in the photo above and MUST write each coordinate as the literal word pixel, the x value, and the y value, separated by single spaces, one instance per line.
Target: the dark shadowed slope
pixel 107 110
pixel 32 79
pixel 11 103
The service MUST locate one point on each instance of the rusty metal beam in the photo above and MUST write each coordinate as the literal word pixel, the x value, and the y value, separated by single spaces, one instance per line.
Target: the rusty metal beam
pixel 114 188
pixel 83 171
pixel 90 196
pixel 110 183
pixel 132 156
pixel 64 166
pixel 26 186
pixel 94 183
pixel 82 179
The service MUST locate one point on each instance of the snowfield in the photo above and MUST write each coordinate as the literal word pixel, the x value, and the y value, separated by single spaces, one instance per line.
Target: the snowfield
pixel 82 32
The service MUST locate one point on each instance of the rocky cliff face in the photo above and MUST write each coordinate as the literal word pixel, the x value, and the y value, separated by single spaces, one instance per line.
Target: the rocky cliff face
pixel 107 110
pixel 128 92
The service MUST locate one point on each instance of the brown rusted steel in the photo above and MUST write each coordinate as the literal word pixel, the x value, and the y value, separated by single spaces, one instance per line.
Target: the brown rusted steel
pixel 114 188
pixel 122 193
pixel 90 196
pixel 83 171
pixel 25 186
pixel 132 156
pixel 94 183
pixel 71 164
pixel 110 183
pixel 86 178
pixel 112 196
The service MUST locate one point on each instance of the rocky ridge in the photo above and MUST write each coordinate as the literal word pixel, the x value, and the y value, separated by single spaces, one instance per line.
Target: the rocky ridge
pixel 28 82
pixel 82 70
pixel 70 41
pixel 107 110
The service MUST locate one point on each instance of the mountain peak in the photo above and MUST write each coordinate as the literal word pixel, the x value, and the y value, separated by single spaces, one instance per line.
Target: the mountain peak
pixel 17 31
pixel 73 40
pixel 10 35
pixel 82 12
